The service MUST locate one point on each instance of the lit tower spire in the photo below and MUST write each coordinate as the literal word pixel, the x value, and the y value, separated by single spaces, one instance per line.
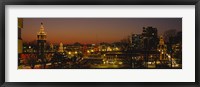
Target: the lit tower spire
pixel 42 28
pixel 41 44
pixel 41 32
pixel 162 48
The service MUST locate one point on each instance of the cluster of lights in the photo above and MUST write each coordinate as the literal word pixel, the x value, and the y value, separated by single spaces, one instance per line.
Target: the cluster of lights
pixel 110 49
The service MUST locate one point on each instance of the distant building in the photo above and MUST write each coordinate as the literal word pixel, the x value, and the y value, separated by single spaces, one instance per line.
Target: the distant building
pixel 61 49
pixel 51 48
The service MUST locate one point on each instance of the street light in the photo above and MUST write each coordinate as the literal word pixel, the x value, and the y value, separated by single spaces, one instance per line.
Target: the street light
pixel 76 52
pixel 88 51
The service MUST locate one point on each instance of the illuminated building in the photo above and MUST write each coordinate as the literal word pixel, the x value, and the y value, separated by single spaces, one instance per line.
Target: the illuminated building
pixel 176 47
pixel 109 49
pixel 103 47
pixel 41 43
pixel 51 48
pixel 60 49
pixel 162 48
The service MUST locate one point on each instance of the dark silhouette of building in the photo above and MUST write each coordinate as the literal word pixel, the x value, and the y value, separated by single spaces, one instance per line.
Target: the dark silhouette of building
pixel 150 38
pixel 136 42
pixel 20 43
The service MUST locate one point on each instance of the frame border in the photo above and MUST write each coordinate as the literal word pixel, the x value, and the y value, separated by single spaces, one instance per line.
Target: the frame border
pixel 99 2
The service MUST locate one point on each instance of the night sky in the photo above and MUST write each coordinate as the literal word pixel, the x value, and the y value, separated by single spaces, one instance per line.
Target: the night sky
pixel 94 30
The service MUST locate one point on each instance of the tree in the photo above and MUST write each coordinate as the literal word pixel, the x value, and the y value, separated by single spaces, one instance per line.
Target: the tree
pixel 125 43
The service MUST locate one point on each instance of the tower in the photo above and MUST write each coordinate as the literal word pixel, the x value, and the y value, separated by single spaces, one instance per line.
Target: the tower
pixel 162 48
pixel 41 43
pixel 60 49
pixel 51 48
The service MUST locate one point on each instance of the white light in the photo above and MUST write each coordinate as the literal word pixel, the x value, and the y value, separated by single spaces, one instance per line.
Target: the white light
pixel 88 51
pixel 76 52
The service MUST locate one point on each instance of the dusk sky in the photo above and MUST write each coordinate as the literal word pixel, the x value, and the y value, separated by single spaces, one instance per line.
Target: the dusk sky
pixel 94 30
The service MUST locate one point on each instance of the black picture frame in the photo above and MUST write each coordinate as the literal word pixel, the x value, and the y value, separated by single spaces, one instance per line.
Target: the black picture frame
pixel 99 2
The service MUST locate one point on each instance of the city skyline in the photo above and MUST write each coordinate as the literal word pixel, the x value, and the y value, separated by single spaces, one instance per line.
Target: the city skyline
pixel 128 43
pixel 93 30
